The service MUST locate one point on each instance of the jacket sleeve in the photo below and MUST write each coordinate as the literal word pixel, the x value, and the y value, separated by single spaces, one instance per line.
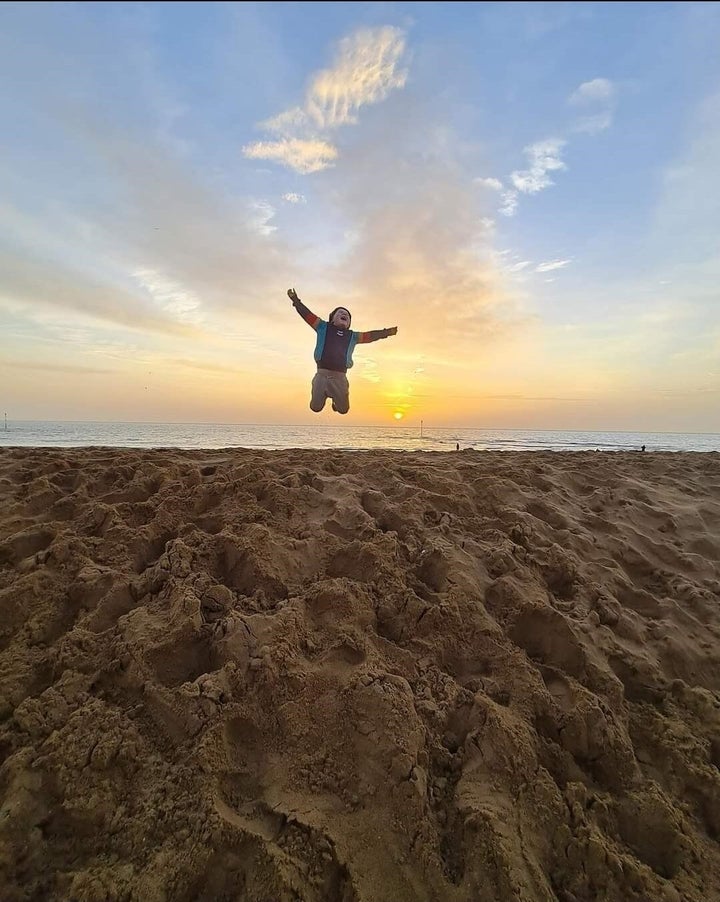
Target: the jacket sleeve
pixel 374 335
pixel 310 318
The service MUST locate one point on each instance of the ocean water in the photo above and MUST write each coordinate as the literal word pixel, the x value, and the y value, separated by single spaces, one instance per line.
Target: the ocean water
pixel 396 438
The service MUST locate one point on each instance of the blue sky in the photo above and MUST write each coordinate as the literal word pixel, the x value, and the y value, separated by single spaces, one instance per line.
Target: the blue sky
pixel 528 191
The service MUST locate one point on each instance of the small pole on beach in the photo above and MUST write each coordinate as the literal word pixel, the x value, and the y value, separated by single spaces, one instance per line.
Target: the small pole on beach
pixel 421 422
pixel 6 421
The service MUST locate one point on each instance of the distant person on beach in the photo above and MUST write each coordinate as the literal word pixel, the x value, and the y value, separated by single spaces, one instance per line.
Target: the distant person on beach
pixel 333 353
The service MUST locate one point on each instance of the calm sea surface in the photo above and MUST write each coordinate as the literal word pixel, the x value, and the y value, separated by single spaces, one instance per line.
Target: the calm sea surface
pixel 397 438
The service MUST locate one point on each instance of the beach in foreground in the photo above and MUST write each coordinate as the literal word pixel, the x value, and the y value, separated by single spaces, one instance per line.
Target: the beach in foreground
pixel 359 676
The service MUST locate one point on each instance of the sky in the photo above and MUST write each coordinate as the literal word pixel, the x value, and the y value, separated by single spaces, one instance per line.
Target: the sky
pixel 528 191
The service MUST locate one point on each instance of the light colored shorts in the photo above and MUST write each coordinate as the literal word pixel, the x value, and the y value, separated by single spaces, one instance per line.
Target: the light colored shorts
pixel 330 384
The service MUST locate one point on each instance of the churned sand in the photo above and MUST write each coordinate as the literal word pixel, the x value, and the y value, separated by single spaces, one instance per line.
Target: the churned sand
pixel 359 676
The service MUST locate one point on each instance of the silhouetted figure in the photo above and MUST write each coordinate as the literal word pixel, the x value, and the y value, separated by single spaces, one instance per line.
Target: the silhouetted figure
pixel 457 446
pixel 643 448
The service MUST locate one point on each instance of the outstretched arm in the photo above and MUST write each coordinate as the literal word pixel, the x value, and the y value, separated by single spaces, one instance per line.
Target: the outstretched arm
pixel 376 335
pixel 310 318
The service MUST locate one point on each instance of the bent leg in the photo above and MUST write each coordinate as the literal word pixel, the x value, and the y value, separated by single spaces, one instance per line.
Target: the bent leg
pixel 319 393
pixel 339 391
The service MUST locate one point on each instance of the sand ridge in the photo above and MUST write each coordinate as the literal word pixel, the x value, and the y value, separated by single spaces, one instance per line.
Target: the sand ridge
pixel 359 676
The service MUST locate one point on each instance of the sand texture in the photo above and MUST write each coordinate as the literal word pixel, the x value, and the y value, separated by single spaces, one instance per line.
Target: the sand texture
pixel 359 676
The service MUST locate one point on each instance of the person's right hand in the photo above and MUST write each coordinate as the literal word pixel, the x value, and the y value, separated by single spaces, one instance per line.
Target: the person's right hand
pixel 292 295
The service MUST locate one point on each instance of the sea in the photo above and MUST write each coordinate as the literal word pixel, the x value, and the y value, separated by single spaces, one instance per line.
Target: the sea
pixel 49 434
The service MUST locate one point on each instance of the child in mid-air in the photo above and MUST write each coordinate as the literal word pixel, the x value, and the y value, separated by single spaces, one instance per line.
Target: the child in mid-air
pixel 333 353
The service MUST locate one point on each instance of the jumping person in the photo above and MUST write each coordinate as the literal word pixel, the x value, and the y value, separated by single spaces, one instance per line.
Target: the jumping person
pixel 333 353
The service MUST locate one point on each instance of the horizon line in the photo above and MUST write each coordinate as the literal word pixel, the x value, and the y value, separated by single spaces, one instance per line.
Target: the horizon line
pixel 394 425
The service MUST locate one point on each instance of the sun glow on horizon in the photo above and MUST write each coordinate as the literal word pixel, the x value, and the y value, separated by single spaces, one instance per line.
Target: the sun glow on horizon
pixel 398 414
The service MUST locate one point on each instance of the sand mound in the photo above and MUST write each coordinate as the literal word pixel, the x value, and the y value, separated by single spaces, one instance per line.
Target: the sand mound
pixel 359 677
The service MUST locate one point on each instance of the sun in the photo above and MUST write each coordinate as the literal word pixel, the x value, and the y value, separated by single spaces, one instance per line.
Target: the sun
pixel 398 414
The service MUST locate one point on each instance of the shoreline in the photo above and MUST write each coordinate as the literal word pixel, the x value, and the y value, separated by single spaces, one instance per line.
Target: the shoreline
pixel 327 436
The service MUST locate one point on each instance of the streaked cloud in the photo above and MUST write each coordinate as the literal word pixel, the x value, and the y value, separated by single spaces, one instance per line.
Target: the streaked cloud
pixel 367 67
pixel 596 96
pixel 292 198
pixel 492 184
pixel 301 155
pixel 551 265
pixel 286 124
pixel 168 218
pixel 660 316
pixel 597 90
pixel 544 157
pixel 509 203
pixel 597 100
pixel 688 209
pixel 368 369
pixel 172 298
pixel 28 282
pixel 594 124
pixel 261 213
pixel 205 366
pixel 55 367
pixel 421 248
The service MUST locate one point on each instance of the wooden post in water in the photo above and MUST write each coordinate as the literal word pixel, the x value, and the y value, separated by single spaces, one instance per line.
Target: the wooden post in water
pixel 421 422
pixel 6 421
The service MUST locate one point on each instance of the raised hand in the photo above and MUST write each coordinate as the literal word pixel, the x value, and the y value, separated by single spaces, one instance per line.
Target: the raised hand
pixel 292 295
pixel 392 331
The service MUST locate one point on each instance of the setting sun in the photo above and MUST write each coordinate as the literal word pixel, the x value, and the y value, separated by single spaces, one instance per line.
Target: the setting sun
pixel 398 415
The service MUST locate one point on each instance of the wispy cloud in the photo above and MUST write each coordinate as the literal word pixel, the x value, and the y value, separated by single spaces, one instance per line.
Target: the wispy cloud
pixel 688 209
pixel 421 248
pixel 261 213
pixel 367 67
pixel 205 366
pixel 551 265
pixel 198 248
pixel 293 198
pixel 28 282
pixel 596 99
pixel 304 156
pixel 170 297
pixel 509 203
pixel 492 184
pixel 595 123
pixel 544 157
pixel 54 367
pixel 597 90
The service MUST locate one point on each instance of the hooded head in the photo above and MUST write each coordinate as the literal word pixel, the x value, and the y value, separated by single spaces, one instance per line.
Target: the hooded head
pixel 340 317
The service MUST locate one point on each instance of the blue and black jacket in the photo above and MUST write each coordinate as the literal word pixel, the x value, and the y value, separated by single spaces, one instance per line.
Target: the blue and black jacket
pixel 334 347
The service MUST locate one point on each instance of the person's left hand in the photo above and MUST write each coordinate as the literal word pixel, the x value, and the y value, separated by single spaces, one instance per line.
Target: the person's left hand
pixel 392 331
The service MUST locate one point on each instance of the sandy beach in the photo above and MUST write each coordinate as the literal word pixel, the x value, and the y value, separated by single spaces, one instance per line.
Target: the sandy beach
pixel 359 676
